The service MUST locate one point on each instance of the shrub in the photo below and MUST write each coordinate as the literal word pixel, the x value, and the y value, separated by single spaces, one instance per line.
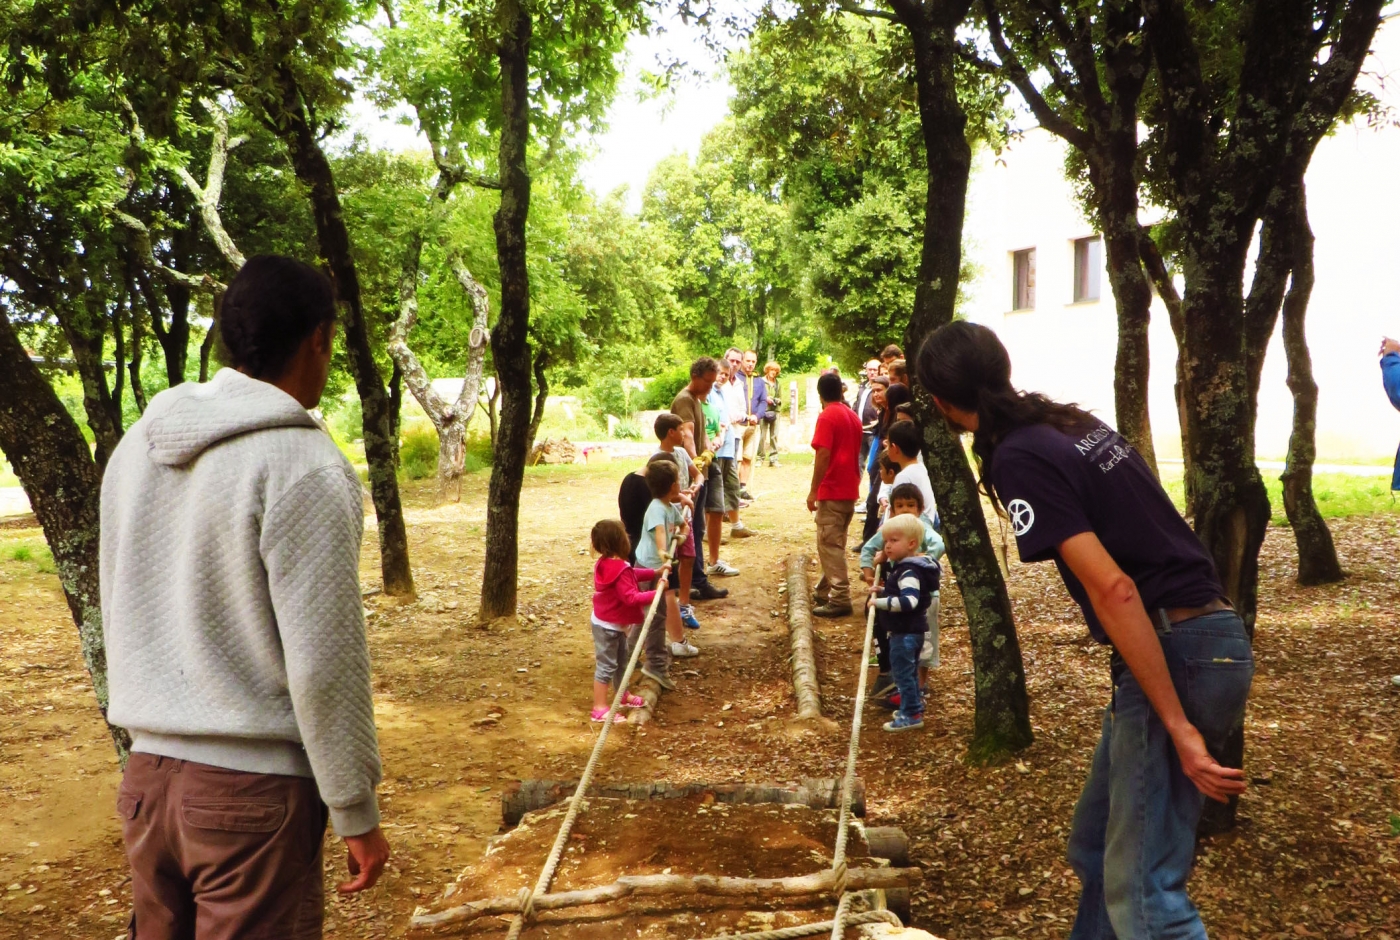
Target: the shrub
pixel 418 450
pixel 662 389
pixel 605 396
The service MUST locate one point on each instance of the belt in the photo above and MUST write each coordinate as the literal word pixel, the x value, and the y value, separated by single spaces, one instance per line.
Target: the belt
pixel 1164 617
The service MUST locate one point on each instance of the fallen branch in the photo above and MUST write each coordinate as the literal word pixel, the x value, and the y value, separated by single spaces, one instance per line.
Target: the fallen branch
pixel 804 660
pixel 822 882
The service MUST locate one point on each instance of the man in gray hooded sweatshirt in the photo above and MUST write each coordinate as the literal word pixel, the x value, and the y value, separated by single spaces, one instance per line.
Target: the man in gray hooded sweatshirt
pixel 236 648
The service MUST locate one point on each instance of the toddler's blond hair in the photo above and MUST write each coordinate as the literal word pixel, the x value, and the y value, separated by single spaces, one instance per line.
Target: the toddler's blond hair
pixel 906 525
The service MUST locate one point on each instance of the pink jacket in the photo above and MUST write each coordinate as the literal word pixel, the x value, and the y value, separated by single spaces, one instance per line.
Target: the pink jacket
pixel 616 597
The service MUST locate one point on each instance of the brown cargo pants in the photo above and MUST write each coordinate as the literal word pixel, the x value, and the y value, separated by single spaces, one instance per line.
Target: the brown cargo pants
pixel 221 854
pixel 833 522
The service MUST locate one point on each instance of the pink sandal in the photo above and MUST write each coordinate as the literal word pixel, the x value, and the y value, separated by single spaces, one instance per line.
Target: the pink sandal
pixel 633 701
pixel 599 714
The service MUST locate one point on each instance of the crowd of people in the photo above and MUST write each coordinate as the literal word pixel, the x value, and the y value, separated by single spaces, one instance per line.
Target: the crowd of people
pixel 239 664
pixel 720 424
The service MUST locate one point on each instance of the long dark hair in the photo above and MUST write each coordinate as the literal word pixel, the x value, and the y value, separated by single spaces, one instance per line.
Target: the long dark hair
pixel 895 396
pixel 967 366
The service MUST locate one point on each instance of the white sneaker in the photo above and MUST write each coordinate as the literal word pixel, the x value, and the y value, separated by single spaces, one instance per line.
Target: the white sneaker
pixel 684 649
pixel 722 569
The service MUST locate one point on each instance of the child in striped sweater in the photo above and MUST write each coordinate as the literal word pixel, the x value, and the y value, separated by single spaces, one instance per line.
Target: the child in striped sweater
pixel 901 605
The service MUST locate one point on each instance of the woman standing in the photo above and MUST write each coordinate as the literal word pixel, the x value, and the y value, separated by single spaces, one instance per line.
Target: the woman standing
pixel 1078 494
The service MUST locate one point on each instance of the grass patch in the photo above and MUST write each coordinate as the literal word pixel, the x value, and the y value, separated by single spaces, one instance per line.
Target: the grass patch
pixel 29 552
pixel 1338 495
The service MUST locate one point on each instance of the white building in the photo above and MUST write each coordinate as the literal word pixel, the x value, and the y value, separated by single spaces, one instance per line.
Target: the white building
pixel 1063 339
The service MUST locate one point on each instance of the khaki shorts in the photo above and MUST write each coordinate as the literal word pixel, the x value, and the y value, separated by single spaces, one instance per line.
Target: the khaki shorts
pixel 751 436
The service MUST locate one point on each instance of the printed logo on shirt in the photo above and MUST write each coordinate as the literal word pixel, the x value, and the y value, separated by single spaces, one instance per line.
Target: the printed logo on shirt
pixel 1022 516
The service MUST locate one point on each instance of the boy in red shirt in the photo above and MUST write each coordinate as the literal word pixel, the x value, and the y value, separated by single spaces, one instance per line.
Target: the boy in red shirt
pixel 835 486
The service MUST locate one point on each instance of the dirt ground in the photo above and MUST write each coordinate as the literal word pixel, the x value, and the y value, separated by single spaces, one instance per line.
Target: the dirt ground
pixel 1316 854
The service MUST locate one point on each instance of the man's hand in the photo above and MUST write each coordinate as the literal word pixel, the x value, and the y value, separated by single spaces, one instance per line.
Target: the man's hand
pixel 880 557
pixel 812 501
pixel 867 575
pixel 366 858
pixel 1215 781
pixel 1389 345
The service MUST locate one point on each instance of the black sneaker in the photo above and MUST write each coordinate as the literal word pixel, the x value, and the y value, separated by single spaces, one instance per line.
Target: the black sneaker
pixel 708 592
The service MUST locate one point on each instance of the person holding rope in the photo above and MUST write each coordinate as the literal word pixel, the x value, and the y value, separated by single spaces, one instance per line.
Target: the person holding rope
pixel 1078 494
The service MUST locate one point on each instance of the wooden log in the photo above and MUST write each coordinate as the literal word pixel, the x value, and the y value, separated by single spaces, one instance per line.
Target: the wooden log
pixel 650 692
pixel 804 658
pixel 888 842
pixel 815 792
pixel 822 882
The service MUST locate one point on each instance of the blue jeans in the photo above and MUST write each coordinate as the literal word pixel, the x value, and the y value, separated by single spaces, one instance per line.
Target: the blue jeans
pixel 904 668
pixel 1134 829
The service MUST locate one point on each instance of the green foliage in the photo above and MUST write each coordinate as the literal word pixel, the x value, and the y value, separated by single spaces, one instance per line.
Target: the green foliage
pixel 606 395
pixel 418 451
pixel 827 113
pixel 662 389
pixel 32 552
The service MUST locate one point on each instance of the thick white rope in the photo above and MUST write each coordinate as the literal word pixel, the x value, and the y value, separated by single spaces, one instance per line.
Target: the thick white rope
pixel 527 906
pixel 838 858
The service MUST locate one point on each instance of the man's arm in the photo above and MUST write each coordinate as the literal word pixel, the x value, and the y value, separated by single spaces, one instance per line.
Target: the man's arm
pixel 758 401
pixel 1119 607
pixel 819 468
pixel 1390 370
pixel 311 548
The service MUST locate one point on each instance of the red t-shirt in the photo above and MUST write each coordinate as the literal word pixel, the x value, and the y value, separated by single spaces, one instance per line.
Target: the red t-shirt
pixel 838 430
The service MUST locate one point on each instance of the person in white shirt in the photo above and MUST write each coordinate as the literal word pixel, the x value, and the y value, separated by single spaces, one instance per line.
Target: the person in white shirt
pixel 903 443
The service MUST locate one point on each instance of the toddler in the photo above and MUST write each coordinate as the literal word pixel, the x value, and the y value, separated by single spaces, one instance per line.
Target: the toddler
pixel 905 499
pixel 619 606
pixel 901 604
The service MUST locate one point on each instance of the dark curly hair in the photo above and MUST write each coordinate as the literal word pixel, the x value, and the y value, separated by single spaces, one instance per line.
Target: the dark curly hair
pixel 271 306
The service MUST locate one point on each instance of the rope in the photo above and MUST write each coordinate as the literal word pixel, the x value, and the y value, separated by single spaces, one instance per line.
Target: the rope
pixel 811 930
pixel 838 858
pixel 527 895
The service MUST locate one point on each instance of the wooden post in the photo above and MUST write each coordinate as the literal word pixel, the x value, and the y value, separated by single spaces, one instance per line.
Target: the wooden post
pixel 804 660
pixel 650 691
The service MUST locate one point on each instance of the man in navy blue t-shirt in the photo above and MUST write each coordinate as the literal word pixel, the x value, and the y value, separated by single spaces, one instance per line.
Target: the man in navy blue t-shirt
pixel 1054 486
pixel 1075 492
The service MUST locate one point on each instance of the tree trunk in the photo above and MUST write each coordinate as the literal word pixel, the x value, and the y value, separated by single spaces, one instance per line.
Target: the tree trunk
pixel 43 444
pixel 1231 504
pixel 541 397
pixel 1002 722
pixel 1132 295
pixel 509 341
pixel 1317 555
pixel 450 420
pixel 85 334
pixel 381 450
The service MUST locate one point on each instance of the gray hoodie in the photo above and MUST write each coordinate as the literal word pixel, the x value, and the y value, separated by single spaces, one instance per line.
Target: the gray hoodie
pixel 231 609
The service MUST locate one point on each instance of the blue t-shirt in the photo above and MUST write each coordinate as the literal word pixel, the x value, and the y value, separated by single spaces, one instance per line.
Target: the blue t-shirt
pixel 659 513
pixel 1057 484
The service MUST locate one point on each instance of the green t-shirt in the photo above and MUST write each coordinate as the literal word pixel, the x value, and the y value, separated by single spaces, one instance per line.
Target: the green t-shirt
pixel 712 422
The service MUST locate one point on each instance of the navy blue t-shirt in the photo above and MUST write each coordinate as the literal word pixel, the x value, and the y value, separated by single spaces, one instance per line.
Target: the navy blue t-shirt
pixel 1057 484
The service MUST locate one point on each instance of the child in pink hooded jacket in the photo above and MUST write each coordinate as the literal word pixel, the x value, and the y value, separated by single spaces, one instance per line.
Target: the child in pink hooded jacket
pixel 619 607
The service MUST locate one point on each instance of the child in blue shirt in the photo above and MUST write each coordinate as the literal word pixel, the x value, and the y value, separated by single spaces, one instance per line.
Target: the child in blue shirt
pixel 663 520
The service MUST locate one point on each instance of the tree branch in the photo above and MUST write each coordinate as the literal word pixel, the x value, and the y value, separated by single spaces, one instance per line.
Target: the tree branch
pixel 1162 280
pixel 141 235
pixel 1049 118
pixel 209 195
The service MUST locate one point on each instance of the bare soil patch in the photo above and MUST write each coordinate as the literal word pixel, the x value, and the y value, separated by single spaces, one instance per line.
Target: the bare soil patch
pixel 1316 855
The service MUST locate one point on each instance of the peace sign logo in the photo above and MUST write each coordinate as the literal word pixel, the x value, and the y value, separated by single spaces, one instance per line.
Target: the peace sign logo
pixel 1022 516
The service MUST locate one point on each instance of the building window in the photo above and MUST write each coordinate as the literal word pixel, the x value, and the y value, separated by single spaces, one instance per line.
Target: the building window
pixel 1023 279
pixel 1088 259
